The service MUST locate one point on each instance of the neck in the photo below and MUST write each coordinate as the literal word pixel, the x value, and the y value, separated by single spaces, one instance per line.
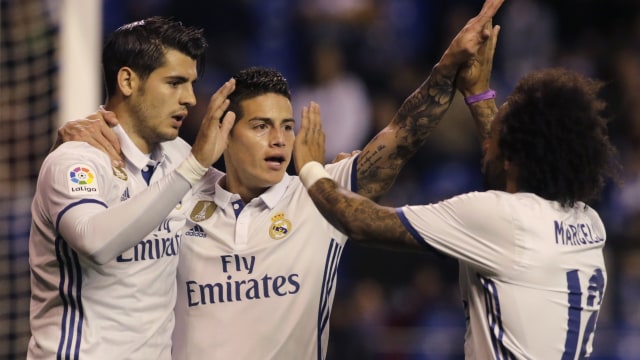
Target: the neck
pixel 233 185
pixel 126 121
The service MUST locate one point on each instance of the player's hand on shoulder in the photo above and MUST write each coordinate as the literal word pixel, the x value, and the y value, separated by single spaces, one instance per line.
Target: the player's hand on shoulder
pixel 95 129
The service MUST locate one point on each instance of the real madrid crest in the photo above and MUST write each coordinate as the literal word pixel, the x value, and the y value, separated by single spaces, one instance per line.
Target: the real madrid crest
pixel 203 210
pixel 119 173
pixel 280 226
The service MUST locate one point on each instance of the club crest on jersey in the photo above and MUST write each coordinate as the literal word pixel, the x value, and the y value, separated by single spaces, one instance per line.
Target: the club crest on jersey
pixel 82 180
pixel 120 173
pixel 280 226
pixel 203 210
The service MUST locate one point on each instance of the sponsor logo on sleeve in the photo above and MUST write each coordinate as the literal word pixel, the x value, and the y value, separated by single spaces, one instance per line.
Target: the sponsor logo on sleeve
pixel 82 180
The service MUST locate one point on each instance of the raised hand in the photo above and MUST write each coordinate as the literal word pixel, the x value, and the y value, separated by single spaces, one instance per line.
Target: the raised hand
pixel 471 38
pixel 211 140
pixel 309 144
pixel 474 75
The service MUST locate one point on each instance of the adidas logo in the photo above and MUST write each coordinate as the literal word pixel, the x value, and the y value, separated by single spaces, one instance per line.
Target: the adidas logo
pixel 125 195
pixel 196 231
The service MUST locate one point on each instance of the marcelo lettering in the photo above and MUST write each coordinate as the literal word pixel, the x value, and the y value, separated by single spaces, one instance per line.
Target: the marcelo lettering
pixel 575 234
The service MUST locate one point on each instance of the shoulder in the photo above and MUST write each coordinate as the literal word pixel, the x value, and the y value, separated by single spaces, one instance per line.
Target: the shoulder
pixel 477 210
pixel 76 152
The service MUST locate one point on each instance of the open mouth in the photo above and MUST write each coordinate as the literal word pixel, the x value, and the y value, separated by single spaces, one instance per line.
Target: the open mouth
pixel 275 159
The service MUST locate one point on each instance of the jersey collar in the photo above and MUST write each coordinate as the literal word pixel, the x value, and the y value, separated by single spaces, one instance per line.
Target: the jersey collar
pixel 270 197
pixel 131 152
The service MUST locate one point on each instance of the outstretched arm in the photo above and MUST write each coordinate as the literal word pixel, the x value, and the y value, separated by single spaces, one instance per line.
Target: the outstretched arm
pixel 354 215
pixel 384 156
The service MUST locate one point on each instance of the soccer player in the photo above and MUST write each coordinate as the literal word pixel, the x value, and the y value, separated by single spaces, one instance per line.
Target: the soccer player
pixel 258 263
pixel 104 243
pixel 532 273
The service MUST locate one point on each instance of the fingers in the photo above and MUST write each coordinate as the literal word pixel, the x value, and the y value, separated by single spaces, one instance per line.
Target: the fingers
pixel 95 131
pixel 314 116
pixel 490 8
pixel 491 46
pixel 109 140
pixel 109 117
pixel 219 103
pixel 309 143
pixel 311 116
pixel 227 123
pixel 216 125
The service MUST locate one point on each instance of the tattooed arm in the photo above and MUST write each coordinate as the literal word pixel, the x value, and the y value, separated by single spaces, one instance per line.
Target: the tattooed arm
pixel 360 218
pixel 382 158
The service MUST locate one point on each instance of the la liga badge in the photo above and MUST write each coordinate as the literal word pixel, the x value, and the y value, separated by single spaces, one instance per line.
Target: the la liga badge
pixel 82 180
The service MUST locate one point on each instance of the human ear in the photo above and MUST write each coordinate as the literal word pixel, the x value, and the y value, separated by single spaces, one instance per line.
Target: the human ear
pixel 126 80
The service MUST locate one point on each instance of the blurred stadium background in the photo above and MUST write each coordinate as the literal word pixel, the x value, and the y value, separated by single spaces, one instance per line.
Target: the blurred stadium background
pixel 359 59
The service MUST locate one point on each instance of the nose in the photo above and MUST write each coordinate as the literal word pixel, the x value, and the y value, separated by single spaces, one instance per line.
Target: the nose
pixel 277 137
pixel 188 97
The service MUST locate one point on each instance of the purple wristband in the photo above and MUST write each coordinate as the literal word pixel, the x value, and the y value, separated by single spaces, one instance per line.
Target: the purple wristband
pixel 489 94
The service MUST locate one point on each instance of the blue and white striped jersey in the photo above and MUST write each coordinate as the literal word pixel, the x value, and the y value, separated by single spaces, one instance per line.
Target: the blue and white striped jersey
pixel 122 309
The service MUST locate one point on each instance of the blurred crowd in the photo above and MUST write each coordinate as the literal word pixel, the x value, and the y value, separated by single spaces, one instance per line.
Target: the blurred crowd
pixel 359 59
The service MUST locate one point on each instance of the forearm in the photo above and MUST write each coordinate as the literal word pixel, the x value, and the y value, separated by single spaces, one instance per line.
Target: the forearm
pixel 385 155
pixel 102 234
pixel 361 219
pixel 483 113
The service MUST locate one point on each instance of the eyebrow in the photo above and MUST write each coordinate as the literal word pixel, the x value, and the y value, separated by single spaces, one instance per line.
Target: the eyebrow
pixel 270 120
pixel 178 78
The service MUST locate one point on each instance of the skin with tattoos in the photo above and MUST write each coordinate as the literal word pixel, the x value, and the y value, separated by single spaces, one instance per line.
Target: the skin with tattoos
pixel 229 213
pixel 380 163
pixel 420 113
pixel 530 240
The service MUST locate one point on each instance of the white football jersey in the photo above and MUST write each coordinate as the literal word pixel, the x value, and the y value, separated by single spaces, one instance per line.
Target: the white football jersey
pixel 257 280
pixel 532 274
pixel 124 308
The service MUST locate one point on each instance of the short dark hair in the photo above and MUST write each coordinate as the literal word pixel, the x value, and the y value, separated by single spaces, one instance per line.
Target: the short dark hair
pixel 142 46
pixel 554 132
pixel 256 81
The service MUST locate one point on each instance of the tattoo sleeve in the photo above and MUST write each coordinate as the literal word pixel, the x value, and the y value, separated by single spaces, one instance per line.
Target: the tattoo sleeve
pixel 361 219
pixel 385 155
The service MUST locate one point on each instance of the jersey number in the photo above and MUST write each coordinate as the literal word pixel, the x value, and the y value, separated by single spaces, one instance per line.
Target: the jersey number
pixel 595 291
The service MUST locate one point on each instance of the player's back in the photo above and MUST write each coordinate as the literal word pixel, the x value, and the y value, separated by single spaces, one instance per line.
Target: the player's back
pixel 542 300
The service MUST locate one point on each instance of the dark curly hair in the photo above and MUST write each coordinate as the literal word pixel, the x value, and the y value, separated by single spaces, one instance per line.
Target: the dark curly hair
pixel 256 81
pixel 142 46
pixel 553 131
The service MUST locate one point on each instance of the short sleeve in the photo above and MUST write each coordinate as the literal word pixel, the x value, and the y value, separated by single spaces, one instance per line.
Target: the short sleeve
pixel 474 228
